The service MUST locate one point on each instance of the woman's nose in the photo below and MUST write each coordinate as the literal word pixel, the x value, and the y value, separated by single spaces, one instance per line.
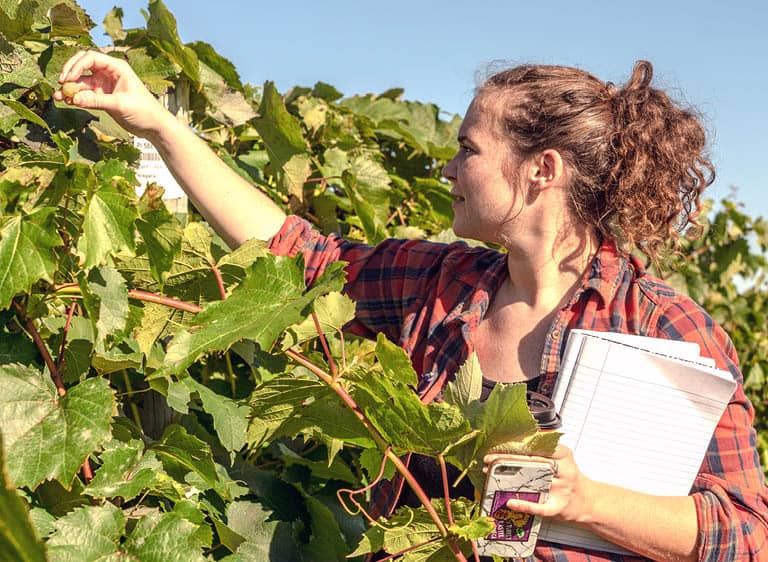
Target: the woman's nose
pixel 449 170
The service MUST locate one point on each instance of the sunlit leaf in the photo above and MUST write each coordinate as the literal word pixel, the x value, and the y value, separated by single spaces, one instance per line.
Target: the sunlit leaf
pixel 18 539
pixel 271 298
pixel 48 436
pixel 26 252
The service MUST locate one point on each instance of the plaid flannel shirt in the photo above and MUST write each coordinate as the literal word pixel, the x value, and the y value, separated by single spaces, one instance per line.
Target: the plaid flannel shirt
pixel 430 297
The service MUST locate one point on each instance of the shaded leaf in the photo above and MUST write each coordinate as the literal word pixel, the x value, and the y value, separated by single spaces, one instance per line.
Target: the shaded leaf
pixel 230 417
pixel 162 235
pixel 265 538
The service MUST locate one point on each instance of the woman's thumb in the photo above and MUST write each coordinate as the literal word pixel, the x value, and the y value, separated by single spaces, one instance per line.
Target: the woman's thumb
pixel 88 99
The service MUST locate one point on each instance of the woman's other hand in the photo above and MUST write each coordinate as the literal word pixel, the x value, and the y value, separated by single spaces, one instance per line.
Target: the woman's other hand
pixel 569 494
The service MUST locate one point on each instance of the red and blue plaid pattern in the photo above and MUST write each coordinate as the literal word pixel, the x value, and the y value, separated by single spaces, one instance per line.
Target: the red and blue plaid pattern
pixel 429 298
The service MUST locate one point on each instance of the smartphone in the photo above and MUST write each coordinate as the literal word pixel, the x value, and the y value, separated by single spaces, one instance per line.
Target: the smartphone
pixel 517 477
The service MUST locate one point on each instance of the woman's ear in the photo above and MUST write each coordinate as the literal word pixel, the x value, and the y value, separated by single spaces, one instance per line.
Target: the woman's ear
pixel 546 170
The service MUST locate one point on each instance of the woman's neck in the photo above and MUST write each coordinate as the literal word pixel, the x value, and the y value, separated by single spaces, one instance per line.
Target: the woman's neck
pixel 545 269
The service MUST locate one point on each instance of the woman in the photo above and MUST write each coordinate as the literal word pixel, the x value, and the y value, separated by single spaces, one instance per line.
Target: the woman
pixel 568 174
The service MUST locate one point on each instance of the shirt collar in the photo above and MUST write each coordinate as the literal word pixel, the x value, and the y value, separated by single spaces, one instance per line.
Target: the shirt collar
pixel 607 271
pixel 604 277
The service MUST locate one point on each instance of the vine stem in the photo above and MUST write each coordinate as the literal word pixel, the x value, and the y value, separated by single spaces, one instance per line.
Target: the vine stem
pixel 60 358
pixel 384 446
pixel 87 470
pixel 134 408
pixel 41 347
pixel 409 549
pixel 446 491
pixel 326 349
pixel 219 280
pixel 167 301
pixel 72 289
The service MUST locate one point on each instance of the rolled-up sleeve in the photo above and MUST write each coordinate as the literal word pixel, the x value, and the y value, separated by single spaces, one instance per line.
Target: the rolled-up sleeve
pixel 729 492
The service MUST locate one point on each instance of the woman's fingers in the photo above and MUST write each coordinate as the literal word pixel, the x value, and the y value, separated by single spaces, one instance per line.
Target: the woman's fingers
pixel 69 72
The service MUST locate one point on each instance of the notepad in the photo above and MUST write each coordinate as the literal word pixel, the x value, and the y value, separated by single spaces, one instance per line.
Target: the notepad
pixel 637 412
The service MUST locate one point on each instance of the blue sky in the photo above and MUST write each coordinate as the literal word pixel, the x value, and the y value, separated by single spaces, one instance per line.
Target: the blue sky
pixel 713 55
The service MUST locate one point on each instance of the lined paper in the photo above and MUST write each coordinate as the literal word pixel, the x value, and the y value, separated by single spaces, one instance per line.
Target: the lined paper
pixel 636 418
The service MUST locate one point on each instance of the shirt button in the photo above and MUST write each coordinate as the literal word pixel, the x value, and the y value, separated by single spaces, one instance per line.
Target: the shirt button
pixel 555 334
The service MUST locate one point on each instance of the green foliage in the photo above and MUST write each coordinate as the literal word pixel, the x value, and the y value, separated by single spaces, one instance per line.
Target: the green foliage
pixel 165 398
pixel 18 539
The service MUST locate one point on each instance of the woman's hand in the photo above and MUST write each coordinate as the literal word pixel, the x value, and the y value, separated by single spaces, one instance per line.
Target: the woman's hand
pixel 569 494
pixel 108 83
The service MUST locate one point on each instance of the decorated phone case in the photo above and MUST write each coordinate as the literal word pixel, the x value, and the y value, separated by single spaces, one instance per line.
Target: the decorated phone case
pixel 516 533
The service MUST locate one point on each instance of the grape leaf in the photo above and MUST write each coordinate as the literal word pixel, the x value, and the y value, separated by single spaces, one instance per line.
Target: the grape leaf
pixel 105 297
pixel 24 112
pixel 49 436
pixel 162 235
pixel 283 138
pixel 270 298
pixel 125 470
pixel 230 417
pixel 93 533
pixel 266 538
pixel 79 344
pixel 165 537
pixel 371 460
pixel 108 226
pixel 288 405
pixel 336 470
pixel 503 423
pixel 207 54
pixel 467 385
pixel 395 362
pixel 181 453
pixel 162 30
pixel 18 539
pixel 69 21
pixel 26 252
pixel 295 172
pixel 410 527
pixel 156 72
pixel 88 533
pixel 404 422
pixel 367 185
pixel 333 311
pixel 227 105
pixel 113 24
pixel 326 541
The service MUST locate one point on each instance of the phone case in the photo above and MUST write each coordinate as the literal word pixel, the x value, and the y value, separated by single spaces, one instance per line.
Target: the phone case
pixel 514 478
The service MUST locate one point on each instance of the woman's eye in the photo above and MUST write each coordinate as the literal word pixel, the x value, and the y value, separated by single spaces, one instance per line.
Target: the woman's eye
pixel 465 149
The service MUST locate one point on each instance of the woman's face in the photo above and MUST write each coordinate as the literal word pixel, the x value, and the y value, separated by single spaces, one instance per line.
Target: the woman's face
pixel 485 177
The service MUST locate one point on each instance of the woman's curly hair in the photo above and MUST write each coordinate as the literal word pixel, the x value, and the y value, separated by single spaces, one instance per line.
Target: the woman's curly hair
pixel 636 157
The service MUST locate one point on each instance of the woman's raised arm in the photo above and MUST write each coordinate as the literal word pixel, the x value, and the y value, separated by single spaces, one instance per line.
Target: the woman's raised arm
pixel 236 209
